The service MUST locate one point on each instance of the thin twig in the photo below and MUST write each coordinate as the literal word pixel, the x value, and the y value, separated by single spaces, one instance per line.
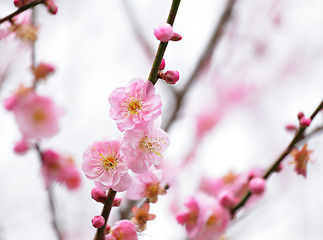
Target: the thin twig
pixel 22 9
pixel 297 138
pixel 137 30
pixel 204 59
pixel 50 199
pixel 105 213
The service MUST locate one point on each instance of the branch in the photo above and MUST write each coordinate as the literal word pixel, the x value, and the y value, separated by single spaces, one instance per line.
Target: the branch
pixel 51 200
pixel 297 138
pixel 22 9
pixel 163 45
pixel 105 213
pixel 204 59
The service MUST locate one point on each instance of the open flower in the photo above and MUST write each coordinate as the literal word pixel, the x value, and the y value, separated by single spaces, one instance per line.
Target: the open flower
pixel 301 158
pixel 141 216
pixel 144 148
pixel 135 104
pixel 103 163
pixel 123 230
pixel 147 185
pixel 205 218
pixel 36 116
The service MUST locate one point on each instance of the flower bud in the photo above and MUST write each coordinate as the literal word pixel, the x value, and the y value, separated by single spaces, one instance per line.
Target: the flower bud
pixel 164 32
pixel 51 6
pixel 176 37
pixel 171 77
pixel 291 127
pixel 162 65
pixel 21 147
pixel 257 185
pixel 99 195
pixel 98 221
pixel 305 122
pixel 300 115
pixel 227 199
pixel 10 102
pixel 116 202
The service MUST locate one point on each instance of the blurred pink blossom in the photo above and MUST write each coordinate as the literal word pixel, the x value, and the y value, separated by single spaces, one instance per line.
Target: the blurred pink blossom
pixel 123 230
pixel 164 32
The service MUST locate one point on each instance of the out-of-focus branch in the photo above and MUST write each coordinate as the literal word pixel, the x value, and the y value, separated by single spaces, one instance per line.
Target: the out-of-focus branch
pixel 51 201
pixel 22 9
pixel 297 138
pixel 105 213
pixel 133 21
pixel 204 59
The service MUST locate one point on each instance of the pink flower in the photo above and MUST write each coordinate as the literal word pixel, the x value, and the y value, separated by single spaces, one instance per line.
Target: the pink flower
pixel 147 185
pixel 135 104
pixel 103 163
pixel 123 230
pixel 164 32
pixel 205 218
pixel 56 167
pixel 144 148
pixel 36 116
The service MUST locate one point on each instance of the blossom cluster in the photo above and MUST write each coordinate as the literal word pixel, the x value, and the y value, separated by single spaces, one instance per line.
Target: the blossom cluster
pixel 135 109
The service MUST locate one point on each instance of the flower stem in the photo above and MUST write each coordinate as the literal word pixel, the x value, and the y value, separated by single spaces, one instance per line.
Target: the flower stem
pixel 163 45
pixel 105 213
pixel 22 9
pixel 297 138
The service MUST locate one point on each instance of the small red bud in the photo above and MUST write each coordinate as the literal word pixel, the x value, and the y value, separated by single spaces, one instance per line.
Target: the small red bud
pixel 171 77
pixel 291 127
pixel 305 122
pixel 98 221
pixel 162 65
pixel 116 202
pixel 257 185
pixel 99 195
pixel 176 37
pixel 300 115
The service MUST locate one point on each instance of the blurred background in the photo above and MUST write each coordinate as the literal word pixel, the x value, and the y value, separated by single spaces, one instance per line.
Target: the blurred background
pixel 266 68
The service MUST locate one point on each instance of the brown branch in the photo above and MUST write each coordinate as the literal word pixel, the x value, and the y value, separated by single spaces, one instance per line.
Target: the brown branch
pixel 204 59
pixel 22 9
pixel 297 138
pixel 105 213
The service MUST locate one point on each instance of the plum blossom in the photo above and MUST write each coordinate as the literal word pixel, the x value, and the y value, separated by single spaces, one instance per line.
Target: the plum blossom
pixel 56 167
pixel 123 230
pixel 144 148
pixel 36 116
pixel 141 216
pixel 301 158
pixel 148 185
pixel 205 218
pixel 103 163
pixel 135 104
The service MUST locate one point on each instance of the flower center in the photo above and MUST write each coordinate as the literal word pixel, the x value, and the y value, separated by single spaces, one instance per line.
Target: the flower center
pixel 39 116
pixel 152 145
pixel 132 105
pixel 212 220
pixel 108 162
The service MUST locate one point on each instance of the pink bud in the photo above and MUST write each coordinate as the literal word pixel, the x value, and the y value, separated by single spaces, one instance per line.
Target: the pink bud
pixel 164 32
pixel 99 195
pixel 291 127
pixel 21 147
pixel 300 115
pixel 257 185
pixel 98 221
pixel 227 199
pixel 162 65
pixel 305 122
pixel 116 202
pixel 171 77
pixel 107 229
pixel 18 3
pixel 176 37
pixel 51 6
pixel 10 102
